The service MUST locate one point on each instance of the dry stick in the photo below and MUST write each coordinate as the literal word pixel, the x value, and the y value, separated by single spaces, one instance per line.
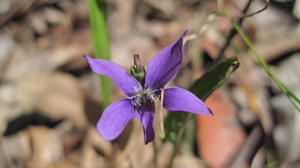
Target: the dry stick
pixel 267 3
pixel 162 129
pixel 240 21
pixel 251 146
pixel 232 33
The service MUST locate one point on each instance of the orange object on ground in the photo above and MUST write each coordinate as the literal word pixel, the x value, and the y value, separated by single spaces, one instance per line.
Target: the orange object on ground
pixel 219 136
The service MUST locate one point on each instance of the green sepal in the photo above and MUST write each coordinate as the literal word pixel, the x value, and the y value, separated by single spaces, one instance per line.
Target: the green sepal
pixel 140 76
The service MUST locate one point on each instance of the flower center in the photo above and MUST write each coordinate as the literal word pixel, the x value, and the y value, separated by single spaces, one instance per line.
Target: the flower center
pixel 140 100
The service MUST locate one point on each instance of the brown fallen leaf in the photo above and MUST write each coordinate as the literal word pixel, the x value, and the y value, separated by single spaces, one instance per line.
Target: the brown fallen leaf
pixel 46 147
pixel 219 136
pixel 56 95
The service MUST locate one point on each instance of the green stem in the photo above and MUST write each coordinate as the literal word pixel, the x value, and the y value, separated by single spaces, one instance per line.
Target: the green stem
pixel 100 38
pixel 292 97
pixel 176 144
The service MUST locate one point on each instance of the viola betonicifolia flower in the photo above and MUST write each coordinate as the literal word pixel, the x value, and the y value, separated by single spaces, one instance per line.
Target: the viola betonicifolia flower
pixel 143 85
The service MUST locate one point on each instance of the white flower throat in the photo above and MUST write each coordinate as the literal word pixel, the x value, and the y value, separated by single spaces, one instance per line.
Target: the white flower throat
pixel 144 96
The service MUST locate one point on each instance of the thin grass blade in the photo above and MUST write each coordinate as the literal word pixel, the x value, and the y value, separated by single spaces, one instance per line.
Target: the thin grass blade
pixel 100 39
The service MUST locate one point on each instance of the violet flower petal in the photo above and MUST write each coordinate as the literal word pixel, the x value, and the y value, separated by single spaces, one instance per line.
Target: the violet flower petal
pixel 178 99
pixel 146 116
pixel 164 65
pixel 114 119
pixel 127 83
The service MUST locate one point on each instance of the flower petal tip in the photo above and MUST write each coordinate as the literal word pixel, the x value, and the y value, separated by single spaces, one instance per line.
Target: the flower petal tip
pixel 85 56
pixel 210 111
pixel 184 33
pixel 148 140
pixel 105 137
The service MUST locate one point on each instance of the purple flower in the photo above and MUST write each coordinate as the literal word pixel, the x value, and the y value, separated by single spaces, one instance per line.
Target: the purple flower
pixel 140 100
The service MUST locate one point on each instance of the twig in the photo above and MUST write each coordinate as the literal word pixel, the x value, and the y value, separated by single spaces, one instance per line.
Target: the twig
pixel 232 33
pixel 251 146
pixel 240 21
pixel 267 3
pixel 161 113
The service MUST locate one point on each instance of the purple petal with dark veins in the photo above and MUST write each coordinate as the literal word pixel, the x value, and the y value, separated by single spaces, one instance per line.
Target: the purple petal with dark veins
pixel 127 83
pixel 164 65
pixel 146 116
pixel 115 118
pixel 178 99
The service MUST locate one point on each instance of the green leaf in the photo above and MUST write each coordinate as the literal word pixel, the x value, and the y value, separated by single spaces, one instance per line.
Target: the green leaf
pixel 204 86
pixel 100 38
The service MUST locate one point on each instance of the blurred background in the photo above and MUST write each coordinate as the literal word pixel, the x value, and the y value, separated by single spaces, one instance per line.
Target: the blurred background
pixel 50 100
